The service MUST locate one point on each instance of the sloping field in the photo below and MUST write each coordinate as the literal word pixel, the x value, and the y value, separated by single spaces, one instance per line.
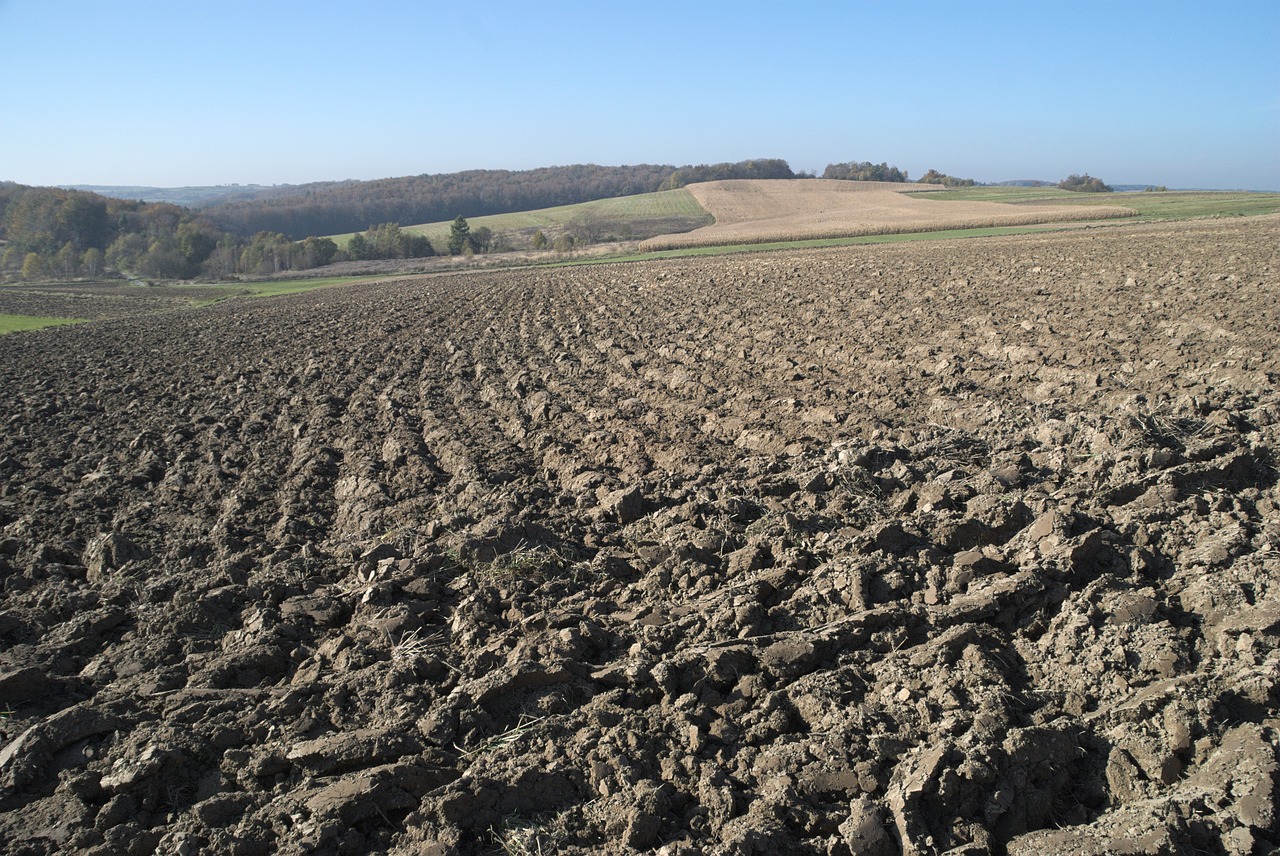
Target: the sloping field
pixel 950 547
pixel 778 210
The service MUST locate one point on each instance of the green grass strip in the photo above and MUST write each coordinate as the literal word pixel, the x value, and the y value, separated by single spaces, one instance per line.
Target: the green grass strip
pixel 231 290
pixel 17 323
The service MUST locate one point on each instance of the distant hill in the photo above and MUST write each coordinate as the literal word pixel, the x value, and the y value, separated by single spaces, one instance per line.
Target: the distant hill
pixel 190 197
pixel 331 208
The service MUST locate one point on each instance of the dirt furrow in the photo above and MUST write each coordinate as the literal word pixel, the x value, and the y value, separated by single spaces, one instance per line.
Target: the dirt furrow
pixel 936 548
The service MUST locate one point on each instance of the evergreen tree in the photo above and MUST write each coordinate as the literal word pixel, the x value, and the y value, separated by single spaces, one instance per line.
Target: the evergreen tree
pixel 459 236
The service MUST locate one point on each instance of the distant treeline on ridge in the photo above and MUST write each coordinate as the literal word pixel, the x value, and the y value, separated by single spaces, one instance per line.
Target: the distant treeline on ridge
pixel 330 208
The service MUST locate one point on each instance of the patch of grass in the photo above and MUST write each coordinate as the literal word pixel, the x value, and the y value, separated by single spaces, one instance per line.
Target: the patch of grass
pixel 16 323
pixel 273 288
pixel 527 563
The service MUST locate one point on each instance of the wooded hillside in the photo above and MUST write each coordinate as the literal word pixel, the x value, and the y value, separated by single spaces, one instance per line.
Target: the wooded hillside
pixel 332 208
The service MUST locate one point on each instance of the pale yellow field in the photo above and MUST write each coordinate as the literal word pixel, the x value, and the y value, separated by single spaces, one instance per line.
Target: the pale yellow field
pixel 755 211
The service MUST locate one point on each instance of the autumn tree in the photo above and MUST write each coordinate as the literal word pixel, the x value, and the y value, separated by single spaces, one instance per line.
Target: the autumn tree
pixel 222 261
pixel 481 239
pixel 91 262
pixel 317 252
pixel 11 260
pixel 67 262
pixel 195 243
pixel 387 241
pixel 32 267
pixel 358 248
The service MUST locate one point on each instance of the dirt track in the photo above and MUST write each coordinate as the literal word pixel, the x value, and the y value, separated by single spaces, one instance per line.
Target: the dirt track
pixel 954 547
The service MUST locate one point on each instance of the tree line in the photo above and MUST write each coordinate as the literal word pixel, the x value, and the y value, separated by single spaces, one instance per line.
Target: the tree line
pixel 53 233
pixel 762 168
pixel 935 177
pixel 864 171
pixel 1084 184
pixel 867 171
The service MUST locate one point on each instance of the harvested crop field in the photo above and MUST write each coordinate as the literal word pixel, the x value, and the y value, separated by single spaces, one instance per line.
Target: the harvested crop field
pixel 751 212
pixel 965 547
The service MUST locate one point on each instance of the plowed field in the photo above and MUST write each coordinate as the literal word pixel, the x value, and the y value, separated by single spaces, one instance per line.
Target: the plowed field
pixel 958 547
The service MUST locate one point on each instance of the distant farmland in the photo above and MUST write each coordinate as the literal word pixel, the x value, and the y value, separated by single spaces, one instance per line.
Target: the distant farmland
pixel 1164 205
pixel 762 211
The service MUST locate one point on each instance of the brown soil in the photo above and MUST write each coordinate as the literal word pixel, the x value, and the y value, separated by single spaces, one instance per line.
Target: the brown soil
pixel 964 547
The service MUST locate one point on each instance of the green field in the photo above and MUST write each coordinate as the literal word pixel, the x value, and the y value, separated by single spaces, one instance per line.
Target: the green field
pixel 1164 205
pixel 16 323
pixel 227 291
pixel 639 216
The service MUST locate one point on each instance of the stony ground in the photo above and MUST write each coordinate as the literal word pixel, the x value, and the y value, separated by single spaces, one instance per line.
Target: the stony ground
pixel 949 547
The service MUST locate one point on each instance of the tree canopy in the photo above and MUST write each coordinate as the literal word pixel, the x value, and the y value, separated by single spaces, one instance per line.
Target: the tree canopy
pixel 385 241
pixel 761 168
pixel 863 171
pixel 1084 184
pixel 935 177
pixel 50 232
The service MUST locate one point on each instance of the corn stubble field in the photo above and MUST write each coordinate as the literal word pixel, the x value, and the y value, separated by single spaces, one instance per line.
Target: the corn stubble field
pixel 951 547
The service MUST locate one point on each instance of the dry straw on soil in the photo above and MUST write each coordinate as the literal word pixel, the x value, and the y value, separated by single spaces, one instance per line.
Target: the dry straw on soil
pixel 749 212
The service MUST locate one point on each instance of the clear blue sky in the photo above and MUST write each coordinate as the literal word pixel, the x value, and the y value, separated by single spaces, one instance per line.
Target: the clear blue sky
pixel 194 92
